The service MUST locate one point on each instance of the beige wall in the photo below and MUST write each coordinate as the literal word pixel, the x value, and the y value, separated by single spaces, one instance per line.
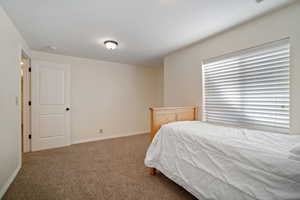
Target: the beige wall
pixel 11 44
pixel 111 96
pixel 182 69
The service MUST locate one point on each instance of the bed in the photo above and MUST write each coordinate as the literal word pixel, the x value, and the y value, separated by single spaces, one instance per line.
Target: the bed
pixel 217 162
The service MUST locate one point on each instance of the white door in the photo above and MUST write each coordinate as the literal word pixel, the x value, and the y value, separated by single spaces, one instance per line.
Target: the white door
pixel 50 105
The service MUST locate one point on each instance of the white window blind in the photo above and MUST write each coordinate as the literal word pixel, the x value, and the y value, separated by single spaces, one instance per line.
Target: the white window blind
pixel 249 88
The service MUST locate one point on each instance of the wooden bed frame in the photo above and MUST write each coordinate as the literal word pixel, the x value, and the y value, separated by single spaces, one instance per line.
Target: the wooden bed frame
pixel 163 115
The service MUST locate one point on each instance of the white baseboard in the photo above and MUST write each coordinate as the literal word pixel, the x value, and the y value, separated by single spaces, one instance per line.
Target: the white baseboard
pixel 9 181
pixel 109 137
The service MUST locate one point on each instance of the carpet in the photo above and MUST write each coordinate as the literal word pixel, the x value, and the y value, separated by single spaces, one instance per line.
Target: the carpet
pixel 106 170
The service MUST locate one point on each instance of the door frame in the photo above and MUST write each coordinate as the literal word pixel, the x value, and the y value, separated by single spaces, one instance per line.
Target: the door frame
pixel 25 101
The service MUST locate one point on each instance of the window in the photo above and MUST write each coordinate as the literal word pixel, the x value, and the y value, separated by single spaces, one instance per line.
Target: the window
pixel 249 88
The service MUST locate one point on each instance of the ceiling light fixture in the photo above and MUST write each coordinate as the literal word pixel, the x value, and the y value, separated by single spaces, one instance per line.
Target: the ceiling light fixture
pixel 110 44
pixel 259 1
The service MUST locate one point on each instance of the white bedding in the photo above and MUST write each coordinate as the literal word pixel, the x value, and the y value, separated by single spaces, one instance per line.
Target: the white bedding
pixel 216 162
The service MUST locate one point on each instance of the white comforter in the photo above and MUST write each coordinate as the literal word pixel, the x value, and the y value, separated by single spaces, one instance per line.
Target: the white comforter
pixel 216 162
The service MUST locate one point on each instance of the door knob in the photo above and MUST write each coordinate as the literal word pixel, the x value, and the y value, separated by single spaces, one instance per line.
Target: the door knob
pixel 67 109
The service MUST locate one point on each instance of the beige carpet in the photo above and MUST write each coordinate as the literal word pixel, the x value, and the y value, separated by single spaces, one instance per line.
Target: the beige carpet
pixel 109 170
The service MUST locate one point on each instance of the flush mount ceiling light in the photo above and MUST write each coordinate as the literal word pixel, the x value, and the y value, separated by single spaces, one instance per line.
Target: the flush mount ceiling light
pixel 259 1
pixel 110 44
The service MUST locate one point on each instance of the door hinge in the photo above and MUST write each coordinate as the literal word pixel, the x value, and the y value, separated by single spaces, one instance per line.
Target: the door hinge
pixel 29 69
pixel 29 136
pixel 29 103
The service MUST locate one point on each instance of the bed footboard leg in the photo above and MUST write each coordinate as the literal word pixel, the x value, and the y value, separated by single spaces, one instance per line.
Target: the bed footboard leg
pixel 152 171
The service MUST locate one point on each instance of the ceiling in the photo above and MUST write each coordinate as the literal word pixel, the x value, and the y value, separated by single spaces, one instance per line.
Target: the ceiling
pixel 146 30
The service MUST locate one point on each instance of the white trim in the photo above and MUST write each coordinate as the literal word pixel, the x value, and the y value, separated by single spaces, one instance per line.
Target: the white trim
pixel 9 181
pixel 109 137
pixel 26 108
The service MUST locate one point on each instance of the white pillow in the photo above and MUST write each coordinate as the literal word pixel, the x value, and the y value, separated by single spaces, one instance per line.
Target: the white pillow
pixel 296 149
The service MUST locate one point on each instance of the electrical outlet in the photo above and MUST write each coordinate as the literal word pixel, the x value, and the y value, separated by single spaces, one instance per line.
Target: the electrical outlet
pixel 100 131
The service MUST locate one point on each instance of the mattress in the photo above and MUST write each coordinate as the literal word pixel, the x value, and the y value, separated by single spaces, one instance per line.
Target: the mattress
pixel 217 162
